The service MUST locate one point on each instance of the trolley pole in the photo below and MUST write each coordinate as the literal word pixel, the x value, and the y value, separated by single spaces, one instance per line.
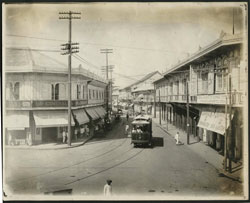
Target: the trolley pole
pixel 69 51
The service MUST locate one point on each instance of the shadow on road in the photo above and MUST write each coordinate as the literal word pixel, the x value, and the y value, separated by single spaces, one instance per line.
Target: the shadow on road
pixel 158 142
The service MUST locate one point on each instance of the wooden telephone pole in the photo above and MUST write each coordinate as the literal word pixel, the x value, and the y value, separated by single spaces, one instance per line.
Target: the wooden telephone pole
pixel 107 51
pixel 70 49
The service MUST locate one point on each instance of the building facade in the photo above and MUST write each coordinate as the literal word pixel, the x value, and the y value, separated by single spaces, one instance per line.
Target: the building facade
pixel 139 96
pixel 213 82
pixel 36 97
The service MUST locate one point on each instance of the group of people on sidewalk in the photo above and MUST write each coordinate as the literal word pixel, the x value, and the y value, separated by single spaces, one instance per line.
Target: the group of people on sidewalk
pixel 78 133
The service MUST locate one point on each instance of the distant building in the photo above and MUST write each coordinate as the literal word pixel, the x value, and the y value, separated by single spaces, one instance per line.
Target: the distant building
pixel 139 95
pixel 204 77
pixel 36 93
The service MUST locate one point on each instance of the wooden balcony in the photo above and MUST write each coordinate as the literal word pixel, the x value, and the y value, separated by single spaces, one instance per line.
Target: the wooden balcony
pixel 44 103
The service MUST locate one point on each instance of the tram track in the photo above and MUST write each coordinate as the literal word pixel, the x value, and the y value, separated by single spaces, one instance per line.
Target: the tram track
pixel 72 165
pixel 115 135
pixel 106 169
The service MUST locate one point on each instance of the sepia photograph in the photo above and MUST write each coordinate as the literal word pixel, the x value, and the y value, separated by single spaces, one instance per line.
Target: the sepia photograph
pixel 125 101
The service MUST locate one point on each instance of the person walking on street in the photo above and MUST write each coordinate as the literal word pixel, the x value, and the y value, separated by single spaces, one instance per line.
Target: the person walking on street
pixel 64 136
pixel 177 138
pixel 126 129
pixel 127 116
pixel 108 188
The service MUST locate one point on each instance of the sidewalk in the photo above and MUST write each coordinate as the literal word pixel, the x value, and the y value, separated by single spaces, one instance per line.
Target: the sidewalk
pixel 209 154
pixel 52 146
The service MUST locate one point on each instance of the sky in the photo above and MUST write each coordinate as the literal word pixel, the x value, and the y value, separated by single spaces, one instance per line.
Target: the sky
pixel 145 37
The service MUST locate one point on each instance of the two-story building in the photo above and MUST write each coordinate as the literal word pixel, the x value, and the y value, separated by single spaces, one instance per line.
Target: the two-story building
pixel 143 93
pixel 36 96
pixel 214 80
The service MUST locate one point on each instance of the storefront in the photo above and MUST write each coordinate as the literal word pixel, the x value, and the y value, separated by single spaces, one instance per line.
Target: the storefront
pixel 212 126
pixel 50 125
pixel 96 114
pixel 17 125
pixel 82 121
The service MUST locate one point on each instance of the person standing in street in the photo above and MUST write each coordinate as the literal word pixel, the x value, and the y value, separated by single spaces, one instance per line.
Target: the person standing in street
pixel 127 116
pixel 108 188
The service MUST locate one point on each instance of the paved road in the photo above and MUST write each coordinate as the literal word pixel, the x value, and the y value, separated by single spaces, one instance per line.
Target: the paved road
pixel 166 169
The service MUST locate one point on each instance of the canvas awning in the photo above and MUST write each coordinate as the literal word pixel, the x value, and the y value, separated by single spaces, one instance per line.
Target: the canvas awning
pixel 44 119
pixel 92 113
pixel 17 120
pixel 100 111
pixel 81 116
pixel 214 121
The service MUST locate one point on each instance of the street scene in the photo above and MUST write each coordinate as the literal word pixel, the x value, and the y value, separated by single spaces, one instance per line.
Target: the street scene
pixel 126 101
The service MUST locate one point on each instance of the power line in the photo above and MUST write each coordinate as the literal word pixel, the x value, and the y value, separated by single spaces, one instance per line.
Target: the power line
pixel 100 44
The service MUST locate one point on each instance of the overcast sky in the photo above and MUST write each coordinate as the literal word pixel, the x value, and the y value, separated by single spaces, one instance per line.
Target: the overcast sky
pixel 144 36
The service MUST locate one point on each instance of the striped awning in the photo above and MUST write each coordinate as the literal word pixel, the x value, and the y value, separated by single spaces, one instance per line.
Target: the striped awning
pixel 81 116
pixel 92 113
pixel 100 111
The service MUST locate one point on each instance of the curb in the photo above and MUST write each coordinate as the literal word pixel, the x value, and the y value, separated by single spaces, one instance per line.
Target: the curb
pixel 229 175
pixel 51 148
pixel 222 172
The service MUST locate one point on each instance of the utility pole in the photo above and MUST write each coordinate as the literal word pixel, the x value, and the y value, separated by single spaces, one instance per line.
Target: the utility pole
pixel 70 49
pixel 159 106
pixel 225 138
pixel 230 125
pixel 107 51
pixel 154 101
pixel 110 70
pixel 187 114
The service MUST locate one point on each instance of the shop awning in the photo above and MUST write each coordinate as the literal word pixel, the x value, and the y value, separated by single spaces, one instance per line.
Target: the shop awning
pixel 45 119
pixel 92 113
pixel 17 120
pixel 100 111
pixel 81 116
pixel 214 121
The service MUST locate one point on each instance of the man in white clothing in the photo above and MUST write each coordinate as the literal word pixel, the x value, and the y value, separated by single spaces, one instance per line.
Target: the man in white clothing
pixel 108 188
pixel 177 138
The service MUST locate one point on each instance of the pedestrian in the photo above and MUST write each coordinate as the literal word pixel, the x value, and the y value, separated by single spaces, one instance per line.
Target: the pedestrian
pixel 87 131
pixel 127 116
pixel 177 138
pixel 108 188
pixel 75 133
pixel 126 128
pixel 64 136
pixel 82 131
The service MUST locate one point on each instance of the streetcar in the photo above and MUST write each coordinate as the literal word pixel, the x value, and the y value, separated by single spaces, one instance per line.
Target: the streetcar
pixel 141 133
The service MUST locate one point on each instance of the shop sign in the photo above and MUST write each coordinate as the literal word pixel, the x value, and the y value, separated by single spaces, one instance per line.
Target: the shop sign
pixel 212 99
pixel 50 103
pixel 18 104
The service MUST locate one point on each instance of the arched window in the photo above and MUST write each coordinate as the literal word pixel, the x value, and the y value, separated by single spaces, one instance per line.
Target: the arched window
pixel 89 94
pixel 83 92
pixel 52 92
pixel 17 91
pixel 78 91
pixel 9 91
pixel 57 91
